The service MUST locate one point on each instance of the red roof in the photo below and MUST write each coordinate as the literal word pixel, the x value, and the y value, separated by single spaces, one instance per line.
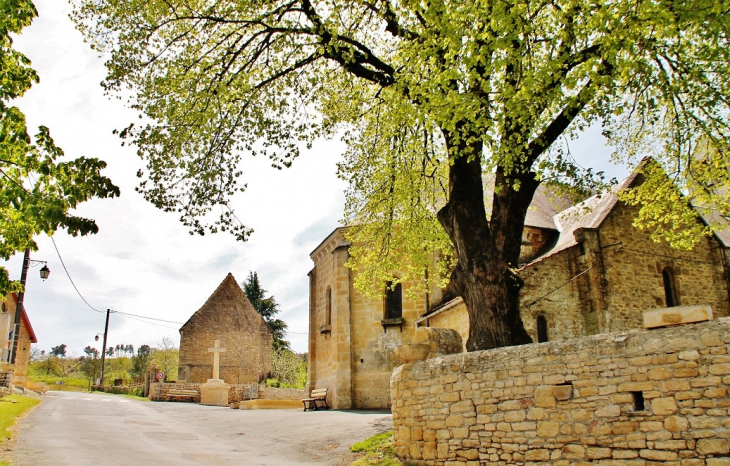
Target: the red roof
pixel 25 320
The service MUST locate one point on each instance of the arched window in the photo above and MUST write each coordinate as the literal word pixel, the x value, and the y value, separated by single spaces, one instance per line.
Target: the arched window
pixel 542 329
pixel 393 301
pixel 670 287
pixel 328 315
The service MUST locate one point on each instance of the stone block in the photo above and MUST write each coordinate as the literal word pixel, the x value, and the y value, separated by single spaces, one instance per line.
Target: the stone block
pixel 659 455
pixel 718 461
pixel 563 392
pixel 412 352
pixel 573 452
pixel 663 406
pixel 537 455
pixel 214 393
pixel 548 429
pixel 544 397
pixel 608 411
pixel 677 315
pixel 712 446
pixel 595 453
pixel 675 423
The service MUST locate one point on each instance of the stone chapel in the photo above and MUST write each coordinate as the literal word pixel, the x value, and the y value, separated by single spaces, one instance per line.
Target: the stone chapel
pixel 227 316
pixel 586 268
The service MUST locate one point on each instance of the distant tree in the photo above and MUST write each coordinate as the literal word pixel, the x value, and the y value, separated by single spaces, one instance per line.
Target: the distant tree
pixel 267 307
pixel 89 365
pixel 141 361
pixel 110 351
pixel 35 354
pixel 59 350
pixel 289 368
pixel 91 353
pixel 66 366
pixel 165 357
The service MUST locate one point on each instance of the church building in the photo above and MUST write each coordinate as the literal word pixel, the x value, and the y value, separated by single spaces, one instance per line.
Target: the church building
pixel 586 268
pixel 227 316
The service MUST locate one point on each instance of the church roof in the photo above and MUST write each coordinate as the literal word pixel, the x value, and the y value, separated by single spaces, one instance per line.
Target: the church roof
pixel 544 206
pixel 587 214
pixel 229 307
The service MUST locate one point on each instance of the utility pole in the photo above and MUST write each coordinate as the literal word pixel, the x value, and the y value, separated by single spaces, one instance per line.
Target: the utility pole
pixel 19 306
pixel 103 349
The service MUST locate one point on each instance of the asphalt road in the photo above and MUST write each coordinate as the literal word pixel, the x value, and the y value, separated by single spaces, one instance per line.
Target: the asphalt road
pixel 71 428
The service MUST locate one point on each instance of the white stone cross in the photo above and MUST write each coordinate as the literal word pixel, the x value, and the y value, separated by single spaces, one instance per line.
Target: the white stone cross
pixel 216 350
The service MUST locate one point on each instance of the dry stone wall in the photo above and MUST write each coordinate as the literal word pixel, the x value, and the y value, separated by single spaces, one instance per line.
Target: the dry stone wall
pixel 636 398
pixel 236 393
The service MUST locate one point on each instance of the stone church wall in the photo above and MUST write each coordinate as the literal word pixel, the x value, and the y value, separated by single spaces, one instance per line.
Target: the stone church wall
pixel 373 346
pixel 352 354
pixel 549 292
pixel 634 274
pixel 633 398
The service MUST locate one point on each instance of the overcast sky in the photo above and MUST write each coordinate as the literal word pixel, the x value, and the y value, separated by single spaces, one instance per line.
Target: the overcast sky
pixel 143 261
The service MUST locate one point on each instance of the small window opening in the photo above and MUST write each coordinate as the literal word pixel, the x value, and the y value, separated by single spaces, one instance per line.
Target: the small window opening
pixel 670 287
pixel 362 361
pixel 542 329
pixel 393 301
pixel 638 401
pixel 328 315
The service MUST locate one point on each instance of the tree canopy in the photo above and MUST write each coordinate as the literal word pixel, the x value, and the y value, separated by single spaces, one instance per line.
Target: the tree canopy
pixel 267 307
pixel 38 191
pixel 430 97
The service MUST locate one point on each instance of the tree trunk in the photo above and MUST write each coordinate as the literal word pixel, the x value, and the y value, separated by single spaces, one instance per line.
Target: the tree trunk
pixel 487 249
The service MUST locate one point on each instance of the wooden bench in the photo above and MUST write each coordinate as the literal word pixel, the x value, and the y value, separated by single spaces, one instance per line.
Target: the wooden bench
pixel 318 395
pixel 178 392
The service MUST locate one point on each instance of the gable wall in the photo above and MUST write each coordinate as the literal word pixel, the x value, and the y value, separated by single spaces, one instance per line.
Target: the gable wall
pixel 634 274
pixel 242 332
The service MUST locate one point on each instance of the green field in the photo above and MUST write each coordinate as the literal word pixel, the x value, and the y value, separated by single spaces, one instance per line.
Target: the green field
pixel 70 384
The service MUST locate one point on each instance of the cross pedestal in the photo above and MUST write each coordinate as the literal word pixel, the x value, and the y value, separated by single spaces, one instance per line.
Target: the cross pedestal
pixel 215 391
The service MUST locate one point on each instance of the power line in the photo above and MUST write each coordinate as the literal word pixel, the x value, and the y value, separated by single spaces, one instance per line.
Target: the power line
pixel 144 321
pixel 131 316
pixel 70 279
pixel 150 318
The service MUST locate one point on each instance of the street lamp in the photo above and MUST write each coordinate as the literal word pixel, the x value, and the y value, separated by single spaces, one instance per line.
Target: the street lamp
pixel 45 271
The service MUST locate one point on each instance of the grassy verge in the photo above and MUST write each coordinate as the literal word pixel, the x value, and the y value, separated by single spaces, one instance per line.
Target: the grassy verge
pixel 377 451
pixel 11 408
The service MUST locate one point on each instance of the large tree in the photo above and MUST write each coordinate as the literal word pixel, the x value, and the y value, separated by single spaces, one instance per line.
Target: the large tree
pixel 430 96
pixel 268 308
pixel 38 191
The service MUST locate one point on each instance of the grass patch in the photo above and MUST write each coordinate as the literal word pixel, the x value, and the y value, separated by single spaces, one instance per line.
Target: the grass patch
pixel 11 408
pixel 378 451
pixel 70 384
